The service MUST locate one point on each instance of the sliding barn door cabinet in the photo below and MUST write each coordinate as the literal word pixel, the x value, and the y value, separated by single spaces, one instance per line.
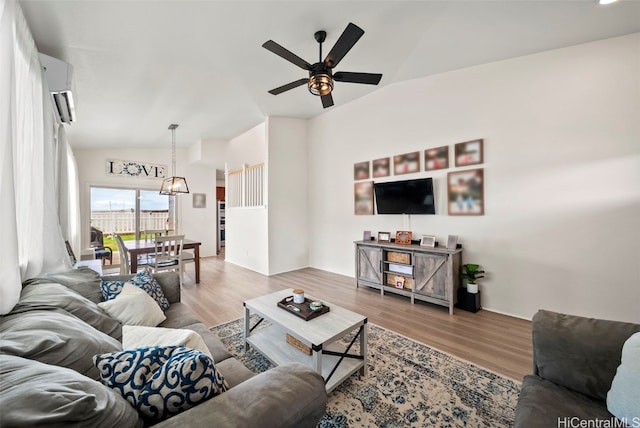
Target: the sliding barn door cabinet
pixel 424 273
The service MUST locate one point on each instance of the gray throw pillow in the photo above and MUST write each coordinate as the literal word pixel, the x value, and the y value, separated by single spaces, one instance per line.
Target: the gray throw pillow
pixel 48 296
pixel 36 394
pixel 83 280
pixel 55 337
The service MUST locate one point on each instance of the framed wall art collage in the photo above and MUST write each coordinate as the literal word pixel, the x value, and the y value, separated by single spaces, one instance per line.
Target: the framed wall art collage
pixel 465 187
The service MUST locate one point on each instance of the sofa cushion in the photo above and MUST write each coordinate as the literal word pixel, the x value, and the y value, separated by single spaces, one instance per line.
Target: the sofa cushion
pixel 234 371
pixel 55 337
pixel 216 347
pixel 179 315
pixel 543 403
pixel 50 295
pixel 563 356
pixel 161 381
pixel 83 280
pixel 134 336
pixel 623 399
pixel 291 395
pixel 38 394
pixel 143 280
pixel 133 306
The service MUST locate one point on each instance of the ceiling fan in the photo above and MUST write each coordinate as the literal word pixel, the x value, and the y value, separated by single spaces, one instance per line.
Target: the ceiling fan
pixel 321 78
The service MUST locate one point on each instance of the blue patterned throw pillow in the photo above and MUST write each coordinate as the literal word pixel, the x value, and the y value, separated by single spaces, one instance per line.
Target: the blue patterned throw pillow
pixel 111 289
pixel 148 283
pixel 143 280
pixel 161 381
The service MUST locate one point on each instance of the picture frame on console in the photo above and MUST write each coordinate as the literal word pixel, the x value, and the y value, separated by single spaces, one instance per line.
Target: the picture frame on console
pixel 384 237
pixel 465 192
pixel 403 237
pixel 428 241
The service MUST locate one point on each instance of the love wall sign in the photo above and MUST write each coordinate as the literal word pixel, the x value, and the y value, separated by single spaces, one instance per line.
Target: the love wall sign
pixel 135 169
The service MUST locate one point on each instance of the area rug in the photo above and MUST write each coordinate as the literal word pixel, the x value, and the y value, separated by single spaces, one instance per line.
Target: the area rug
pixel 408 384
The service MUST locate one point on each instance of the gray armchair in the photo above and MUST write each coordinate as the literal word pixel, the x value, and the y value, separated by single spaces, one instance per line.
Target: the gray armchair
pixel 574 362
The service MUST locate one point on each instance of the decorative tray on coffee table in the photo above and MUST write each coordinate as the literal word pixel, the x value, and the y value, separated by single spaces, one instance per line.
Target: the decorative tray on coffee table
pixel 304 310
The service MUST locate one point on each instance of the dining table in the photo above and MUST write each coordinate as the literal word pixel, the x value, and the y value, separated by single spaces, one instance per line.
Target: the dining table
pixel 140 247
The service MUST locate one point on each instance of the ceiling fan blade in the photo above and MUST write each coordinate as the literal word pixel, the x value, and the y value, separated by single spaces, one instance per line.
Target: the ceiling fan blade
pixel 288 86
pixel 327 100
pixel 349 37
pixel 286 54
pixel 366 78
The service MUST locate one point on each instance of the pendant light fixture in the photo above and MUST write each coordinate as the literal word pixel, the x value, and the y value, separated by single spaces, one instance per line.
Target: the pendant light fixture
pixel 173 185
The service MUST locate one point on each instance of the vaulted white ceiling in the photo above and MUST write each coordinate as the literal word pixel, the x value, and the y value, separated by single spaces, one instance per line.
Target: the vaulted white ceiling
pixel 142 65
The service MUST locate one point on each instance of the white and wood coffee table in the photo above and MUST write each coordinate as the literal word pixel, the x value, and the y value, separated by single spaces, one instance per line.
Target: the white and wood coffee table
pixel 330 359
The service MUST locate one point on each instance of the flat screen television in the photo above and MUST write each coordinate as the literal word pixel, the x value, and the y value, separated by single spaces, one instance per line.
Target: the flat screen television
pixel 405 197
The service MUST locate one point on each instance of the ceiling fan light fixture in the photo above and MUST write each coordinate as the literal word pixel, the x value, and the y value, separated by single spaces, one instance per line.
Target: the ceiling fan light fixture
pixel 320 84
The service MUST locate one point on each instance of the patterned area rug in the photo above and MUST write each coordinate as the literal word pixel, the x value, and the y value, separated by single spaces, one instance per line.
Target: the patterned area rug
pixel 408 385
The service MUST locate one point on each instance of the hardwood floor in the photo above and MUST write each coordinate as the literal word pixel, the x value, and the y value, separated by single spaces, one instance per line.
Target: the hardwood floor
pixel 497 342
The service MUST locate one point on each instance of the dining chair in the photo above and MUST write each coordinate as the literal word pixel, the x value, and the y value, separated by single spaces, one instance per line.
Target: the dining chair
pixel 168 254
pixel 188 256
pixel 150 234
pixel 125 265
pixel 125 268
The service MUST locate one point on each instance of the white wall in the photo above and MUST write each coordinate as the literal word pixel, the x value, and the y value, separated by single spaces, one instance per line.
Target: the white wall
pixel 248 148
pixel 246 229
pixel 199 223
pixel 287 211
pixel 271 239
pixel 194 223
pixel 562 175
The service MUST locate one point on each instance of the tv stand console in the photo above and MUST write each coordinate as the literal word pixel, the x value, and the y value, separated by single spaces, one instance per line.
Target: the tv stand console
pixel 424 273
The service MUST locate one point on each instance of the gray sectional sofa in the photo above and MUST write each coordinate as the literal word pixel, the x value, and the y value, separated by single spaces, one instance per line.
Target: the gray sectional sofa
pixel 48 379
pixel 575 360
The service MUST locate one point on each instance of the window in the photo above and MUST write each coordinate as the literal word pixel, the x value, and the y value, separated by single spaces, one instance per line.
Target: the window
pixel 129 212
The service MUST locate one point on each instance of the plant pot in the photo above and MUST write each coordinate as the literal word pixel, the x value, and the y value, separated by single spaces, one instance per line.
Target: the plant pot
pixel 472 287
pixel 468 301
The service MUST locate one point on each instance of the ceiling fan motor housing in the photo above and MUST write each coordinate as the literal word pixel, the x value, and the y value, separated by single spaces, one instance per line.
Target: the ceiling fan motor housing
pixel 320 79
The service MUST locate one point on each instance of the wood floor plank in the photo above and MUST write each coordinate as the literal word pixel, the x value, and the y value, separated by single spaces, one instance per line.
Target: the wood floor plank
pixel 494 341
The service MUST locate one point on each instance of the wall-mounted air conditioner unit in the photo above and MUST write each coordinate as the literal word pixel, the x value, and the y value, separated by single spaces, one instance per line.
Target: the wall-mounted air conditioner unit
pixel 59 76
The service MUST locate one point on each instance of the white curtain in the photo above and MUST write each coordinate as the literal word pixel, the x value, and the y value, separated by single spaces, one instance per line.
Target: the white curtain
pixel 68 191
pixel 10 284
pixel 30 228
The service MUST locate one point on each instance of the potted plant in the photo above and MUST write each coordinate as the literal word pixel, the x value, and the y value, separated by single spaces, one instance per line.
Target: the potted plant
pixel 471 272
